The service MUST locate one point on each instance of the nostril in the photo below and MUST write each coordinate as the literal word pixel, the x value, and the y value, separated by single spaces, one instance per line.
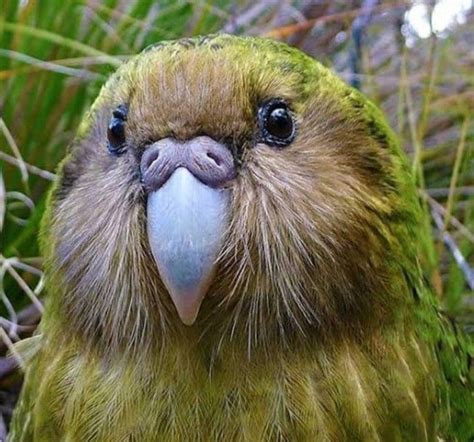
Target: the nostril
pixel 149 157
pixel 214 157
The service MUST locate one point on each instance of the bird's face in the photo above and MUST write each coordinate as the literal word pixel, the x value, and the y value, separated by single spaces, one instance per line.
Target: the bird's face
pixel 231 185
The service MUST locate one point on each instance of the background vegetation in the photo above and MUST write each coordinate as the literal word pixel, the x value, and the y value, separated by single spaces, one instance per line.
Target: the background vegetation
pixel 413 58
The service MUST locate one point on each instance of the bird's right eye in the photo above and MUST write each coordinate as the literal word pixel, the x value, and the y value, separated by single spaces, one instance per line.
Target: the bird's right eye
pixel 116 131
pixel 276 123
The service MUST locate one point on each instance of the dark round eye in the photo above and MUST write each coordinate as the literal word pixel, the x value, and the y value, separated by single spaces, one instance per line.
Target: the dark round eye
pixel 276 123
pixel 116 131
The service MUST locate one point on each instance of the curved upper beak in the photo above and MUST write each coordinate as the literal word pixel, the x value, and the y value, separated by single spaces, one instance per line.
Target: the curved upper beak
pixel 187 215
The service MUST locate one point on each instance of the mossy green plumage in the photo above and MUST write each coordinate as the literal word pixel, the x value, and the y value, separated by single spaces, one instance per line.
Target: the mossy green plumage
pixel 320 324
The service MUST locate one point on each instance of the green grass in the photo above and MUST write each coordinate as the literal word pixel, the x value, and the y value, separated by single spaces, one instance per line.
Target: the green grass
pixel 55 55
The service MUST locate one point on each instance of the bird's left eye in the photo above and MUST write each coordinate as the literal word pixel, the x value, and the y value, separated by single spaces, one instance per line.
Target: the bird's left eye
pixel 116 130
pixel 276 123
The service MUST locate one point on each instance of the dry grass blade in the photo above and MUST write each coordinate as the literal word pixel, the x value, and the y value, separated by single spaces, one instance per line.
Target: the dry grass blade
pixel 452 220
pixel 455 251
pixel 75 61
pixel 11 348
pixel 286 31
pixel 3 198
pixel 455 175
pixel 125 18
pixel 59 40
pixel 32 169
pixel 249 15
pixel 415 140
pixel 11 142
pixel 24 286
pixel 48 66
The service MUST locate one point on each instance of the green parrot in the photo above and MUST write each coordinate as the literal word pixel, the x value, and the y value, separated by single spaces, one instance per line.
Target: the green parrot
pixel 234 251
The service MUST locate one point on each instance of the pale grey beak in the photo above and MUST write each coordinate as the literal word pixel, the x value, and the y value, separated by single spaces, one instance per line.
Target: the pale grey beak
pixel 187 216
pixel 186 220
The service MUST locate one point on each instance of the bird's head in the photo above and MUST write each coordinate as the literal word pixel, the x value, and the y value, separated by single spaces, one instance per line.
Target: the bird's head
pixel 234 187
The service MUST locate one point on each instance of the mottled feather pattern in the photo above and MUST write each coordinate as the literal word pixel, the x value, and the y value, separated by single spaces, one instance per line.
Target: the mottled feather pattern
pixel 310 330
